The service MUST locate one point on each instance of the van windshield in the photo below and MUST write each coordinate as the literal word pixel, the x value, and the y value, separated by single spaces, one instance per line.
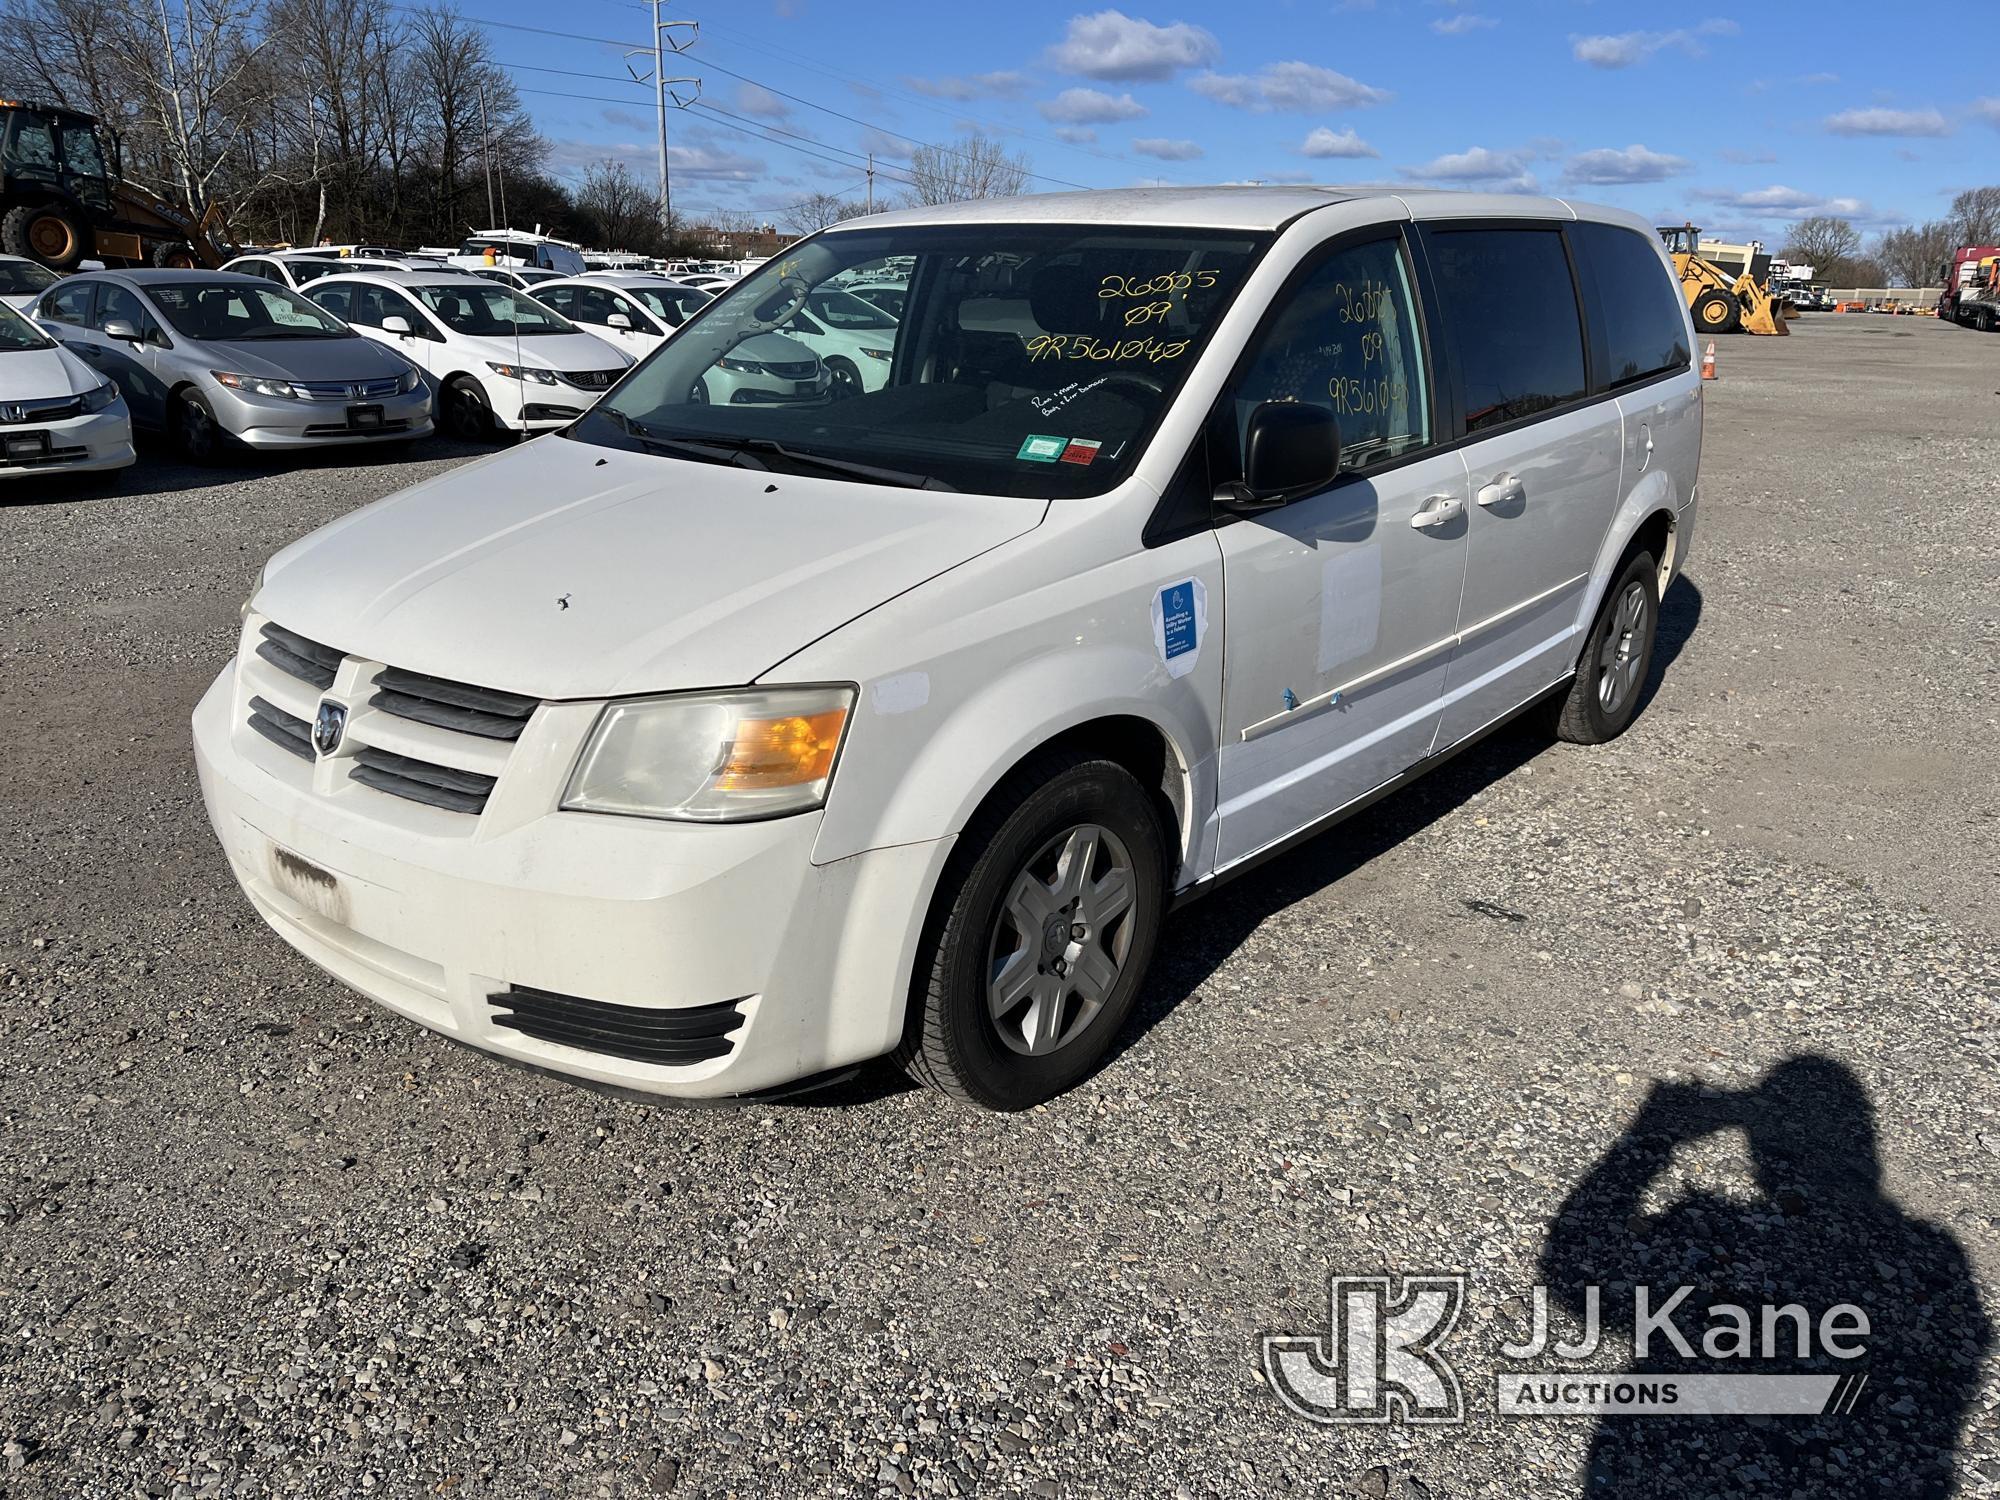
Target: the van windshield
pixel 1030 359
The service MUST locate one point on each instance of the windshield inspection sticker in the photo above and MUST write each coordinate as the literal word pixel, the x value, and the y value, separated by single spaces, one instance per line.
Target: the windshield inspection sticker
pixel 1042 449
pixel 1180 619
pixel 1081 450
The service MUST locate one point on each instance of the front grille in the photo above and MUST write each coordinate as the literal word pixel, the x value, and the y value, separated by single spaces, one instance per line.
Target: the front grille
pixel 286 731
pixel 42 409
pixel 591 380
pixel 348 390
pixel 342 429
pixel 421 738
pixel 421 781
pixel 298 657
pixel 636 1033
pixel 485 712
pixel 46 459
pixel 796 370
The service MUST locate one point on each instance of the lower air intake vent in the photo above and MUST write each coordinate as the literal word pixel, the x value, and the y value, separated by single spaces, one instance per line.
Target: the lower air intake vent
pixel 637 1033
pixel 420 781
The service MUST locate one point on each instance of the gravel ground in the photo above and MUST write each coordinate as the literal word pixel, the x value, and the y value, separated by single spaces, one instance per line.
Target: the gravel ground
pixel 258 1238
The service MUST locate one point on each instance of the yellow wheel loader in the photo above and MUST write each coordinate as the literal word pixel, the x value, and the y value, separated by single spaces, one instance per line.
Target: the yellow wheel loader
pixel 1718 302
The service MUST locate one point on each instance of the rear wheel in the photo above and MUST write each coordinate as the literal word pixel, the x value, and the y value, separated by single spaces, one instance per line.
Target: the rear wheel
pixel 47 232
pixel 177 255
pixel 467 417
pixel 1716 312
pixel 1611 675
pixel 846 379
pixel 1040 936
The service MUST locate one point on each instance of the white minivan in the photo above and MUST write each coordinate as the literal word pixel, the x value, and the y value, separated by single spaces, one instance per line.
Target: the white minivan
pixel 706 748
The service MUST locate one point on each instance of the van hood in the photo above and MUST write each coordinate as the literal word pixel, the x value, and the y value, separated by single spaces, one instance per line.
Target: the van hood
pixel 565 570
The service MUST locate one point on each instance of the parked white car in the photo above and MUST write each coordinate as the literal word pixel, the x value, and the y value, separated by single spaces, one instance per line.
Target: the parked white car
pixel 855 340
pixel 887 295
pixel 56 413
pixel 23 280
pixel 634 311
pixel 495 358
pixel 708 748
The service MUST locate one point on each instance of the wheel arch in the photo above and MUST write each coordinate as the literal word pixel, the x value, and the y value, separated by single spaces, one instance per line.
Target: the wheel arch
pixel 1649 519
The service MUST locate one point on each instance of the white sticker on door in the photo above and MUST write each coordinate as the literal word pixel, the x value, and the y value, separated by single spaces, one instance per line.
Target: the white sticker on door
pixel 1350 606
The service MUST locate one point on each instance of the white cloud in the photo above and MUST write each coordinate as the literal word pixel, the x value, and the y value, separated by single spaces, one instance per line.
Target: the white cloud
pixel 1113 45
pixel 1498 171
pixel 1463 24
pixel 1633 164
pixel 1888 122
pixel 1627 48
pixel 754 99
pixel 1166 150
pixel 1296 87
pixel 1003 85
pixel 1324 142
pixel 691 161
pixel 1076 135
pixel 1090 107
pixel 1782 202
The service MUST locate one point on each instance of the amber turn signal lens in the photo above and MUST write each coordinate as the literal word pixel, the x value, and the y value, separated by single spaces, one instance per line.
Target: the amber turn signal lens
pixel 793 751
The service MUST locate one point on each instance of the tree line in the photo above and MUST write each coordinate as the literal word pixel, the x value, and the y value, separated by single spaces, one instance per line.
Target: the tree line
pixel 1908 256
pixel 350 120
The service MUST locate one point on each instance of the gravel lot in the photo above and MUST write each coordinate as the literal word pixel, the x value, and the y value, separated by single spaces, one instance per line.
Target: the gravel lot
pixel 258 1238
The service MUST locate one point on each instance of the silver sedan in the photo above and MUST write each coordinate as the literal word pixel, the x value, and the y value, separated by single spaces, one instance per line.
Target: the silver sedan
pixel 211 356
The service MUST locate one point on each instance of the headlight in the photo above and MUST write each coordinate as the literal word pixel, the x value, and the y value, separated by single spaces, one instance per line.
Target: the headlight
pixel 713 757
pixel 881 354
pixel 523 372
pixel 255 385
pixel 98 397
pixel 412 378
pixel 740 366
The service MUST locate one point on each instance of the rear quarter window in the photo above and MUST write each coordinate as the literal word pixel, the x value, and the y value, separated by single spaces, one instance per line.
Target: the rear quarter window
pixel 1637 309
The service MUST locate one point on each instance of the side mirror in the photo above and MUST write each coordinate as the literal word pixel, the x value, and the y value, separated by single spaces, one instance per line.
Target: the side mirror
pixel 1290 449
pixel 618 320
pixel 118 328
pixel 396 323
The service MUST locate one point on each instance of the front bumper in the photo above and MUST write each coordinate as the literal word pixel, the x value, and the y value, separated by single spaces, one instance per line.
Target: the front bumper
pixel 263 422
pixel 76 445
pixel 431 913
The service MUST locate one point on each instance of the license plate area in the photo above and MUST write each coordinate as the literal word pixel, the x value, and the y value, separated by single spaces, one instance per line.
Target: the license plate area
pixel 305 883
pixel 364 418
pixel 26 447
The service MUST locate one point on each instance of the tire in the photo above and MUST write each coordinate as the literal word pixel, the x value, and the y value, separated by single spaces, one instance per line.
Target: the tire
pixel 1716 312
pixel 1067 823
pixel 48 232
pixel 176 255
pixel 467 416
pixel 196 435
pixel 846 379
pixel 1617 654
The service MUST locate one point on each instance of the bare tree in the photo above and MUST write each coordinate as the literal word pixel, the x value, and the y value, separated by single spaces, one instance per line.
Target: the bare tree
pixel 1975 216
pixel 1913 254
pixel 973 166
pixel 619 210
pixel 1822 240
pixel 810 215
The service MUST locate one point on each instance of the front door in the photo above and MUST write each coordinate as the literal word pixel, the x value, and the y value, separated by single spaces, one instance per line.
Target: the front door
pixel 1341 605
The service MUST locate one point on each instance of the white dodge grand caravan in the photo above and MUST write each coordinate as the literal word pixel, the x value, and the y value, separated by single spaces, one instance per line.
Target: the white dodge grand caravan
pixel 705 748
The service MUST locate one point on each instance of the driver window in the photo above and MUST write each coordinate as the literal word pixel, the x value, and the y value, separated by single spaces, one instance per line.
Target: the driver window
pixel 80 153
pixel 33 145
pixel 1345 339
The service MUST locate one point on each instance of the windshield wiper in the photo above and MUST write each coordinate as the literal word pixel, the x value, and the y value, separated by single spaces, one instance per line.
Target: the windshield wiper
pixel 900 477
pixel 680 447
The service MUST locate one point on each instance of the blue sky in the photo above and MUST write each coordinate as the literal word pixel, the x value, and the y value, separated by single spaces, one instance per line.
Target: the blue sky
pixel 1743 119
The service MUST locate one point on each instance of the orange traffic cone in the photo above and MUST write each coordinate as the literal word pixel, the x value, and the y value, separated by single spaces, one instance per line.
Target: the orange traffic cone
pixel 1708 362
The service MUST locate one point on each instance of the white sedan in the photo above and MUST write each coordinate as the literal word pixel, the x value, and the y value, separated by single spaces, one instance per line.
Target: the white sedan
pixel 496 359
pixel 56 413
pixel 854 339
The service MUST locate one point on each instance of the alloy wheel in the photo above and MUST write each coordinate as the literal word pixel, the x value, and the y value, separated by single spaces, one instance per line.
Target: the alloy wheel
pixel 1060 940
pixel 1619 660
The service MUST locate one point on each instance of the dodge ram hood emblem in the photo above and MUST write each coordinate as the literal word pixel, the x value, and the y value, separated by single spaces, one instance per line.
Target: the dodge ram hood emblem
pixel 329 724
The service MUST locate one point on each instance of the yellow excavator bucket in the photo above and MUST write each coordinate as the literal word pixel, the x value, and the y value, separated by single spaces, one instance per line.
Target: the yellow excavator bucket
pixel 1761 313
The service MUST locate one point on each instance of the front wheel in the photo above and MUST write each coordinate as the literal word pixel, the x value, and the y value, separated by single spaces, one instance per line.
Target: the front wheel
pixel 846 380
pixel 1611 676
pixel 48 232
pixel 1040 936
pixel 196 436
pixel 466 415
pixel 1716 312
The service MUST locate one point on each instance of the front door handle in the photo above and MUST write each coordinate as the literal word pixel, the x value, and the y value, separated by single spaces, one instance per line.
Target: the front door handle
pixel 1438 510
pixel 1504 490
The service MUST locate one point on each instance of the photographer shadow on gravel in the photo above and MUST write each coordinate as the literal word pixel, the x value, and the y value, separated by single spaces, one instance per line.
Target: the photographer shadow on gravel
pixel 1820 1233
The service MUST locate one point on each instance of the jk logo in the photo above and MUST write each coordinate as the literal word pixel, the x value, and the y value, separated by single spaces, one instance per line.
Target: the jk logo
pixel 1380 1359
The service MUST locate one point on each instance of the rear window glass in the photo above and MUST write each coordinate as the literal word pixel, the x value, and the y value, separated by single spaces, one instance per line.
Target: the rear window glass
pixel 1637 305
pixel 1510 311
